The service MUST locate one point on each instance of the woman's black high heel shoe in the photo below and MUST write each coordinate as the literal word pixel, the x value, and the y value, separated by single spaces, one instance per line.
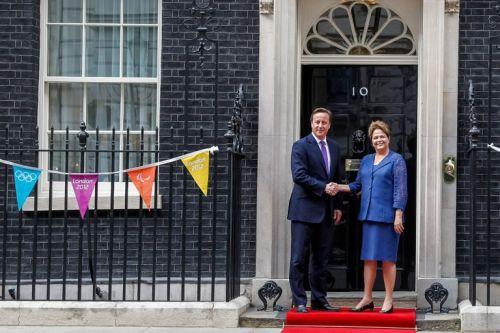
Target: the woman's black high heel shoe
pixel 388 310
pixel 368 306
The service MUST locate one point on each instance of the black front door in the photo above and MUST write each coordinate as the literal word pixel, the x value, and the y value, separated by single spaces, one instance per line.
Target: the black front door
pixel 357 95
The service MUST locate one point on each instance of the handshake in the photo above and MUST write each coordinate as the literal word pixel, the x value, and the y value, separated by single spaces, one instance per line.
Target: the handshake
pixel 332 189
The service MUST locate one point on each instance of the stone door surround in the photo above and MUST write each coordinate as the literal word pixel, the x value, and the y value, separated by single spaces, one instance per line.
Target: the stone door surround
pixel 279 127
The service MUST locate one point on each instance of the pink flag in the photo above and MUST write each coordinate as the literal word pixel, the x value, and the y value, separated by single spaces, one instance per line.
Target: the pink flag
pixel 83 185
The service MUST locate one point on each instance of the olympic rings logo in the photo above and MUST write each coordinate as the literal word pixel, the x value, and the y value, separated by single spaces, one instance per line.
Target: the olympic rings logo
pixel 25 176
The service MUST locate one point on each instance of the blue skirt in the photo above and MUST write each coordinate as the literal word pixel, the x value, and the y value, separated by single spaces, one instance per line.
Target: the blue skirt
pixel 380 242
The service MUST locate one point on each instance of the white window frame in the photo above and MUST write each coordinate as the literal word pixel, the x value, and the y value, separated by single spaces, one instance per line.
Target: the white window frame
pixel 43 109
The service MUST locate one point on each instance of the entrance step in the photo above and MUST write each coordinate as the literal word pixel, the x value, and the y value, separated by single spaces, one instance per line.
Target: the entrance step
pixel 449 322
pixel 256 319
pixel 444 322
pixel 402 299
pixel 261 319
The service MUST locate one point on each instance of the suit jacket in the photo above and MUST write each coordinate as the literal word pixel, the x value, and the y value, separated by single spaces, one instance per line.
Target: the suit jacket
pixel 383 187
pixel 309 202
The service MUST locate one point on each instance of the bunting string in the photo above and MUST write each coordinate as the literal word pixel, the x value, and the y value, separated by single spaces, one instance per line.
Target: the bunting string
pixel 211 150
pixel 197 163
pixel 495 148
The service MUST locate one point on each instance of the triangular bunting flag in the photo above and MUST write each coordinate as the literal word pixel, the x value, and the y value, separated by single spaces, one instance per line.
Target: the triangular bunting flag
pixel 198 166
pixel 24 181
pixel 143 180
pixel 83 185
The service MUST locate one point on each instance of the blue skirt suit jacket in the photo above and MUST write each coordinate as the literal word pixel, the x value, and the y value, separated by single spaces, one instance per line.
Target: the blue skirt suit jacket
pixel 383 190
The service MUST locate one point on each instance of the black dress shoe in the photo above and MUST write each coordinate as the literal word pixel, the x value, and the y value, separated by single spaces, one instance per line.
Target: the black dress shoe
pixel 390 310
pixel 302 309
pixel 368 306
pixel 324 307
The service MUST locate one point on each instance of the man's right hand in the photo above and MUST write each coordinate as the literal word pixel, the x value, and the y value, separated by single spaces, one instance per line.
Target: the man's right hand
pixel 332 189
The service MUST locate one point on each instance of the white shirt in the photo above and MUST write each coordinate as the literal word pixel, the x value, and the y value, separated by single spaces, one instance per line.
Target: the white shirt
pixel 327 149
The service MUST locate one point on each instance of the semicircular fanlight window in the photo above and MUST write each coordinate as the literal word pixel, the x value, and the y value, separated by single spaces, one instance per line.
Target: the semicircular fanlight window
pixel 358 28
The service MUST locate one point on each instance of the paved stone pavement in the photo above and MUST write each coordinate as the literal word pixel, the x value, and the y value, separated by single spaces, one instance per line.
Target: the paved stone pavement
pixel 87 329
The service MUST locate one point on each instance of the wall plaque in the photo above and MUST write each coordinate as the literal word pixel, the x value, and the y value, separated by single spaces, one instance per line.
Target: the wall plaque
pixel 352 164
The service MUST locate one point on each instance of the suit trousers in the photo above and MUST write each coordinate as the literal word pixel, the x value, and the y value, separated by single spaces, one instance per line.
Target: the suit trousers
pixel 316 239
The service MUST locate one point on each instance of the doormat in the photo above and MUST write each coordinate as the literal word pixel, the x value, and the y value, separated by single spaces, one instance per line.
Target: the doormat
pixel 401 320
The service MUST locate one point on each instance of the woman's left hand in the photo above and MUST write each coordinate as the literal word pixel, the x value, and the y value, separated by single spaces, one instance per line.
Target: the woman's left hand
pixel 398 223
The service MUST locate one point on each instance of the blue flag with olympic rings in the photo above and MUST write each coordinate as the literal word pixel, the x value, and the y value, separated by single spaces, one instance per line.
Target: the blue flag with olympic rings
pixel 24 180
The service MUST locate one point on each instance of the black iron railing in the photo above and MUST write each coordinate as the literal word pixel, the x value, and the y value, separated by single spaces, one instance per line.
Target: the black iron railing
pixel 480 157
pixel 185 248
pixel 473 137
pixel 55 252
pixel 235 147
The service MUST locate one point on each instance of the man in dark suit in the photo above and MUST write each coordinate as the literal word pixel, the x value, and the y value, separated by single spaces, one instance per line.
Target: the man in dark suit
pixel 313 210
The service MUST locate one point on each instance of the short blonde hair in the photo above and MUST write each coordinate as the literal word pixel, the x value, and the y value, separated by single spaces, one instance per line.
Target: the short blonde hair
pixel 381 125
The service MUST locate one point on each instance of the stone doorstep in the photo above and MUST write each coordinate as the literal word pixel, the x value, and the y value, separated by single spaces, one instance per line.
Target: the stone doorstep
pixel 427 322
pixel 262 319
pixel 438 322
pixel 402 299
pixel 137 314
pixel 276 319
pixel 479 318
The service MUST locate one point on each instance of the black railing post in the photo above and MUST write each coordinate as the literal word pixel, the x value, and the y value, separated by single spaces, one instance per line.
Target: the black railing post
pixel 82 140
pixel 49 222
pixel 112 216
pixel 20 225
pixel 200 238
pixel 125 217
pixel 65 223
pixel 170 214
pixel 5 211
pixel 473 137
pixel 155 215
pixel 35 223
pixel 235 149
pixel 141 225
pixel 95 289
pixel 492 41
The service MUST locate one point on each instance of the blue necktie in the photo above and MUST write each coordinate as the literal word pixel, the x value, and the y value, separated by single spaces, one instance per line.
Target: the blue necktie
pixel 325 156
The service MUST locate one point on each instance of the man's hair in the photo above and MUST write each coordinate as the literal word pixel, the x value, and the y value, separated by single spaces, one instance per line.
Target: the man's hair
pixel 322 110
pixel 381 125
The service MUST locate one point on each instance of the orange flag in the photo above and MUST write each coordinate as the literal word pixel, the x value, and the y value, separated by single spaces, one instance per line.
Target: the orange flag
pixel 143 180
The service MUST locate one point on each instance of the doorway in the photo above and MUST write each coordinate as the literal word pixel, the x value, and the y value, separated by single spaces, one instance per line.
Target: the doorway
pixel 357 95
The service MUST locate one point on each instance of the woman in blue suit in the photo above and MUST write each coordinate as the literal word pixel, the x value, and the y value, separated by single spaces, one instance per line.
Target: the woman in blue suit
pixel 382 181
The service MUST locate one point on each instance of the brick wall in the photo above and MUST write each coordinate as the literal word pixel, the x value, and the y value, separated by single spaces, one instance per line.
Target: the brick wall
pixel 19 57
pixel 237 32
pixel 473 65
